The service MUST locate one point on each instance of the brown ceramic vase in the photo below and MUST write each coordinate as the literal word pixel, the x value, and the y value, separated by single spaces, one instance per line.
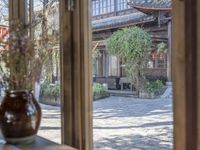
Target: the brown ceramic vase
pixel 20 116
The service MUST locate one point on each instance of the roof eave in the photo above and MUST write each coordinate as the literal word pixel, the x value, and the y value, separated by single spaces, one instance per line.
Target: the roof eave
pixel 150 10
pixel 121 26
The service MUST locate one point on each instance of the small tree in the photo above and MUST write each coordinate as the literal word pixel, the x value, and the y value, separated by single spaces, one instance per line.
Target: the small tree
pixel 132 45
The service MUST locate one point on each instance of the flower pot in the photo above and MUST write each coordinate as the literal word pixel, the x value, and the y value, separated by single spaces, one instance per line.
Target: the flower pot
pixel 20 117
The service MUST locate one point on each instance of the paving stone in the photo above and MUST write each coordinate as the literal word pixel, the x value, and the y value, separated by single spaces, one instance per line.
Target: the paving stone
pixel 121 123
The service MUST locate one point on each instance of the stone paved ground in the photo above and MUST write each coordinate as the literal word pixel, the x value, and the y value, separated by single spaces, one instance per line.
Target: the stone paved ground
pixel 122 124
pixel 50 125
pixel 133 124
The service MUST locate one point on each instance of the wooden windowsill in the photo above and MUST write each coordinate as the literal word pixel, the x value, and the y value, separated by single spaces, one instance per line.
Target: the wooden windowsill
pixel 39 144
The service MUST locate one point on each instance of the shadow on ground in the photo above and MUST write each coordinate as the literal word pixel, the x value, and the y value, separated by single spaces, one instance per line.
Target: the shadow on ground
pixel 133 124
pixel 132 142
pixel 127 107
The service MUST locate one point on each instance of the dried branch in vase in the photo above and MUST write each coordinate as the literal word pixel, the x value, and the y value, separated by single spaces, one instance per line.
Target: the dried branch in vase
pixel 21 62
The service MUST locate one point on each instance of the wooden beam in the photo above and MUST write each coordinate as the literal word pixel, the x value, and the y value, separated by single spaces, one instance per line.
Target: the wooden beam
pixel 111 14
pixel 122 26
pixel 143 8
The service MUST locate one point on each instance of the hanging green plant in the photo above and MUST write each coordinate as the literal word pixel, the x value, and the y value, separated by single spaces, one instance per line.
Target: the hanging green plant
pixel 161 47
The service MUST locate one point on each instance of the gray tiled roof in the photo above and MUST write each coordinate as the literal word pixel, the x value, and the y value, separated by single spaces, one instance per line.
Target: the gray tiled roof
pixel 152 3
pixel 121 20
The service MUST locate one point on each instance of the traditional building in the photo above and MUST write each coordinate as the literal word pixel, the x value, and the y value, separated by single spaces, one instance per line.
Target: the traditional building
pixel 111 15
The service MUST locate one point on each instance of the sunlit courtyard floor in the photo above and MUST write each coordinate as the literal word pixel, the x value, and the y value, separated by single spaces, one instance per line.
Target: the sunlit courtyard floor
pixel 122 124
pixel 51 124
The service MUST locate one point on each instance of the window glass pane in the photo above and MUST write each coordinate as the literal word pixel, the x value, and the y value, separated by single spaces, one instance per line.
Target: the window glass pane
pixel 112 5
pixel 108 6
pixel 103 6
pixel 119 5
pixel 104 10
pixel 104 3
pixel 125 5
pixel 122 4
pixel 97 8
pixel 93 8
pixel 100 6
pixel 48 12
pixel 4 12
pixel 113 66
pixel 108 3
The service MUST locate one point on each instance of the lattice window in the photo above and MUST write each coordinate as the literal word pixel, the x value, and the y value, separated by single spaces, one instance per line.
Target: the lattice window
pixel 95 8
pixel 122 4
pixel 100 7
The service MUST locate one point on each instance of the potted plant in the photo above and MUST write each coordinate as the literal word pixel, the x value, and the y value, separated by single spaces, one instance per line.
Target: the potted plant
pixel 151 88
pixel 21 63
pixel 50 93
pixel 99 91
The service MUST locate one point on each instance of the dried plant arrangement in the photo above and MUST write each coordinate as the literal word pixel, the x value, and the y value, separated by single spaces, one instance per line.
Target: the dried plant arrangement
pixel 21 61
pixel 24 57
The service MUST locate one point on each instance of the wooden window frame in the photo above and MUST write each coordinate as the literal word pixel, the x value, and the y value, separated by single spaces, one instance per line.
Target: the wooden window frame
pixel 17 12
pixel 186 74
pixel 77 78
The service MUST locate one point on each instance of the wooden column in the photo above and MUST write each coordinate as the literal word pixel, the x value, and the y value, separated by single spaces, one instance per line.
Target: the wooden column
pixel 18 11
pixel 31 15
pixel 198 76
pixel 107 63
pixel 178 75
pixel 104 63
pixel 186 72
pixel 101 64
pixel 76 74
pixel 169 51
pixel 191 73
pixel 118 66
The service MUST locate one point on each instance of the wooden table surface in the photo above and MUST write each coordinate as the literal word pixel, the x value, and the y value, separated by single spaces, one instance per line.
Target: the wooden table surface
pixel 39 144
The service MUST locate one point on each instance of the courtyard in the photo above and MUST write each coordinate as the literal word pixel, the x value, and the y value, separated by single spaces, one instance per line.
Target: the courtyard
pixel 121 123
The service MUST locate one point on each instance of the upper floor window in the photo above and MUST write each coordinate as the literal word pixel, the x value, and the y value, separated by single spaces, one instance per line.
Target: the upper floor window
pixel 107 6
pixel 122 4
